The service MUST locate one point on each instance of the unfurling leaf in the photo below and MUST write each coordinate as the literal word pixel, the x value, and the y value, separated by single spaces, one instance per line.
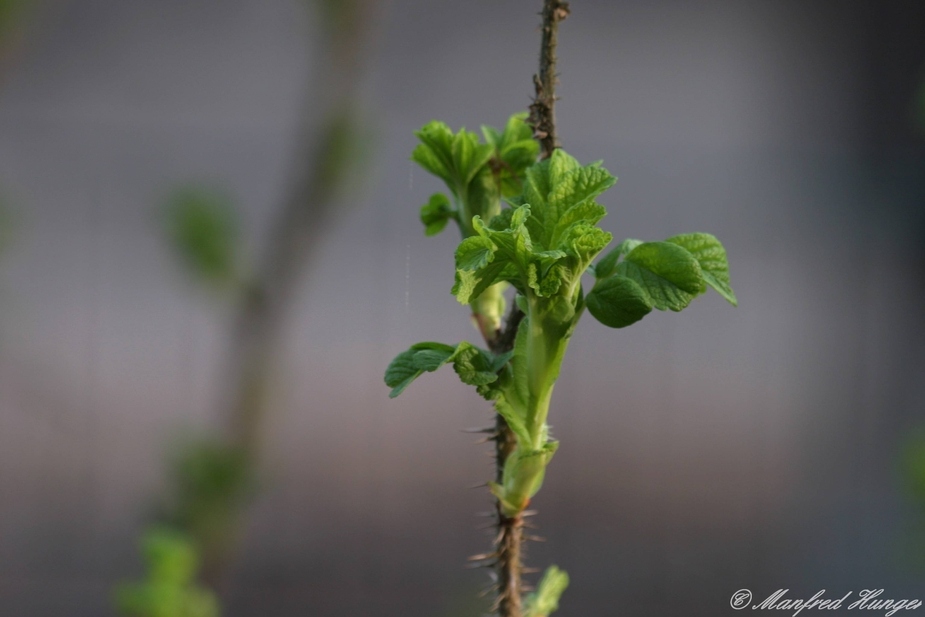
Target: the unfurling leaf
pixel 668 273
pixel 524 471
pixel 435 214
pixel 475 366
pixel 710 254
pixel 618 301
pixel 608 262
pixel 546 599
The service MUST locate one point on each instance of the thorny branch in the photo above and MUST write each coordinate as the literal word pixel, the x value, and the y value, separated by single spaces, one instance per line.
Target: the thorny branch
pixel 543 109
pixel 509 542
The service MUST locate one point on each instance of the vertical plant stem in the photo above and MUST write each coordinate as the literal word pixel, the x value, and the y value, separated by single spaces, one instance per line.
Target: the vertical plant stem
pixel 543 109
pixel 509 551
pixel 509 562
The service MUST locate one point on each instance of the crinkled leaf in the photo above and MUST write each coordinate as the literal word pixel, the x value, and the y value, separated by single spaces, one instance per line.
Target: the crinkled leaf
pixel 470 284
pixel 618 301
pixel 513 150
pixel 608 263
pixel 495 256
pixel 469 156
pixel 668 273
pixel 411 364
pixel 536 188
pixel 501 221
pixel 560 164
pixel 586 212
pixel 435 152
pixel 435 214
pixel 474 253
pixel 575 188
pixel 585 242
pixel 561 193
pixel 710 254
pixel 457 159
pixel 474 366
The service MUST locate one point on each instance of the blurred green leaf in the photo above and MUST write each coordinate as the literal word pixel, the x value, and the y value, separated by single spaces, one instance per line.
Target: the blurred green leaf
pixel 212 481
pixel 203 228
pixel 11 14
pixel 546 599
pixel 618 301
pixel 170 555
pixel 435 214
pixel 169 590
pixel 913 466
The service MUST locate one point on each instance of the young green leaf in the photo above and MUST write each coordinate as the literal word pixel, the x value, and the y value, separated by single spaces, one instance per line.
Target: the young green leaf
pixel 435 152
pixel 203 228
pixel 710 254
pixel 545 600
pixel 560 193
pixel 170 588
pixel 608 263
pixel 524 471
pixel 492 256
pixel 435 214
pixel 474 253
pixel 411 364
pixel 618 301
pixel 515 151
pixel 667 272
pixel 475 366
pixel 469 156
pixel 579 186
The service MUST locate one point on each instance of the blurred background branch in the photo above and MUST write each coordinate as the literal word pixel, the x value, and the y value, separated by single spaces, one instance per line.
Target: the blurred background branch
pixel 212 479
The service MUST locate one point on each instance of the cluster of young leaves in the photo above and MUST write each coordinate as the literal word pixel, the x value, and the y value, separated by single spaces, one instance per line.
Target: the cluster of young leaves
pixel 477 174
pixel 169 589
pixel 545 242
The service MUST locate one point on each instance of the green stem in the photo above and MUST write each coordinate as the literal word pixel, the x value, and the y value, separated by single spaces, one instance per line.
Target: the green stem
pixel 546 346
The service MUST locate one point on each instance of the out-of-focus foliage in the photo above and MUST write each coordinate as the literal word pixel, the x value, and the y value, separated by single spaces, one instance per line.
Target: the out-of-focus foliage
pixel 11 13
pixel 546 599
pixel 913 466
pixel 8 221
pixel 169 589
pixel 202 225
pixel 212 481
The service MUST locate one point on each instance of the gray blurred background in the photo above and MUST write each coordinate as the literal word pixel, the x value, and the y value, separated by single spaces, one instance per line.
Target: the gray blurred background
pixel 702 452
